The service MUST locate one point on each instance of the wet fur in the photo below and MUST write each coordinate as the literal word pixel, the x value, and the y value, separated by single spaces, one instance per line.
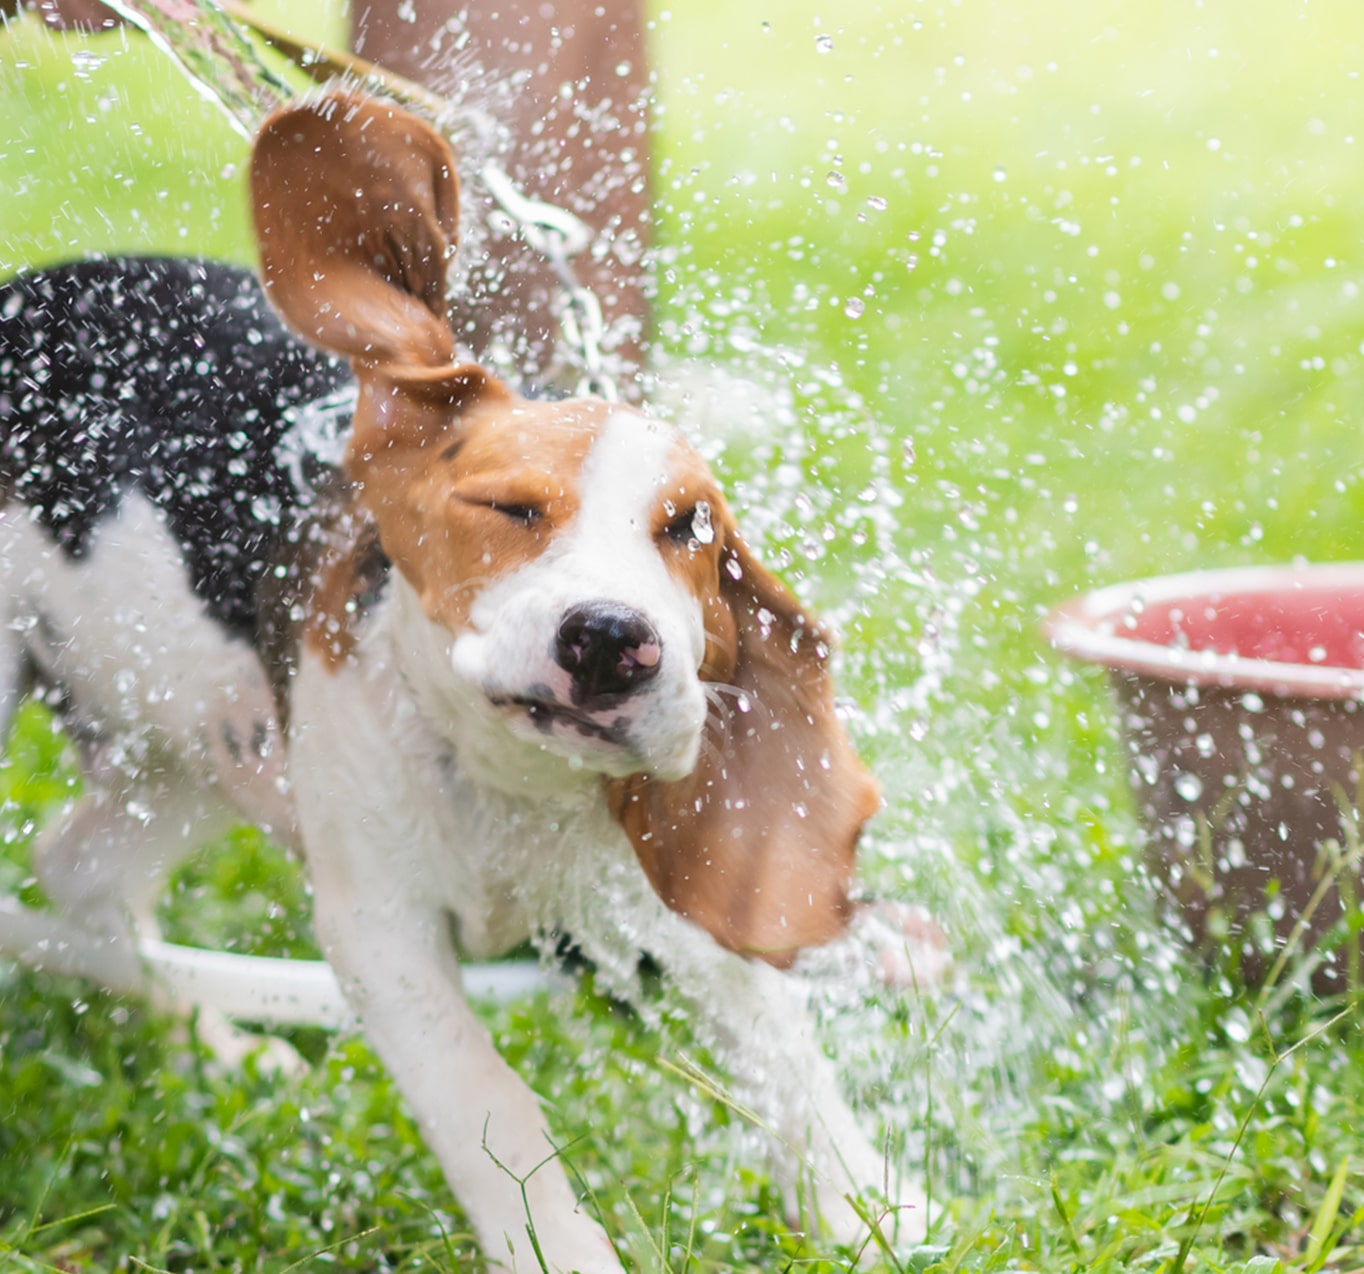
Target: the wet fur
pixel 195 589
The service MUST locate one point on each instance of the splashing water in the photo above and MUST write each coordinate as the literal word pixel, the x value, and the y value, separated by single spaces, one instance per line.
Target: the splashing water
pixel 215 55
pixel 839 498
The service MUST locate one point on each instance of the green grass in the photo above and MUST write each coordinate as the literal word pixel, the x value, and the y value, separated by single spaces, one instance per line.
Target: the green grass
pixel 1109 259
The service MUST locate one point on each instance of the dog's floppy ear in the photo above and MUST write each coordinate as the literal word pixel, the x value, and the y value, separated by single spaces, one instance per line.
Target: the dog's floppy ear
pixel 356 208
pixel 757 845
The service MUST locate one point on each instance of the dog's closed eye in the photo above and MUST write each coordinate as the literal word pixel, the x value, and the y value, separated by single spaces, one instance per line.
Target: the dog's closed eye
pixel 526 514
pixel 513 510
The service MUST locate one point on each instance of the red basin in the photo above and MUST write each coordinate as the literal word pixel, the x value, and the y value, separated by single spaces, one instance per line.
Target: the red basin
pixel 1240 698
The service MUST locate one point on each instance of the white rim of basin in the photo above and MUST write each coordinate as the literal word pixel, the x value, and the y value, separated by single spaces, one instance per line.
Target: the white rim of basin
pixel 1088 629
pixel 271 990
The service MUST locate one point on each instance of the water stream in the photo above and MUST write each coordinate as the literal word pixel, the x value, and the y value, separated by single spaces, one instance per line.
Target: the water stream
pixel 215 55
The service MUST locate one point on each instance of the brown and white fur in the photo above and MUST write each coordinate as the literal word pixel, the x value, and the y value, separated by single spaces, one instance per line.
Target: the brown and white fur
pixel 573 701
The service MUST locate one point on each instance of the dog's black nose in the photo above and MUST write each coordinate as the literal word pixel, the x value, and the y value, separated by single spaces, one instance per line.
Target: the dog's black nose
pixel 608 649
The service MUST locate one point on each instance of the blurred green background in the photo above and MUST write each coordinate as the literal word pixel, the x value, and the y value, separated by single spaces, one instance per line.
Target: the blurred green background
pixel 1027 297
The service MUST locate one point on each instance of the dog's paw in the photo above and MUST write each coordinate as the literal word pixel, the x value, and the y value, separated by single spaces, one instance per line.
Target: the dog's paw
pixel 891 944
pixel 231 1047
pixel 907 948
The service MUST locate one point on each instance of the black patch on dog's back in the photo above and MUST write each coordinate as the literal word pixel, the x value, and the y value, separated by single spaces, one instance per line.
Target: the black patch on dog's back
pixel 169 377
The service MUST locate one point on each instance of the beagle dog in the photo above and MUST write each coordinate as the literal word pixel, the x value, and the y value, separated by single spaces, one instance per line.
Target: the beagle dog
pixel 499 668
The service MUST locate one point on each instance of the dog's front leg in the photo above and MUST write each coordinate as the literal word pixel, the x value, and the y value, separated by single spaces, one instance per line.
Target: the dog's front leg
pixel 384 931
pixel 477 1116
pixel 766 1036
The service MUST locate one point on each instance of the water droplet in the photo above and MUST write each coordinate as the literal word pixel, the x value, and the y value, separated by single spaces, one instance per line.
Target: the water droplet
pixel 1000 174
pixel 855 307
pixel 837 180
pixel 86 61
pixel 876 203
pixel 702 528
pixel 1188 787
pixel 824 44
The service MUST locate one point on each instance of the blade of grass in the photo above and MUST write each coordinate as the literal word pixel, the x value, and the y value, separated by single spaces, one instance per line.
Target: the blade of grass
pixel 440 1225
pixel 875 1234
pixel 68 1220
pixel 657 1252
pixel 694 1075
pixel 332 1247
pixel 1317 1247
pixel 1067 1226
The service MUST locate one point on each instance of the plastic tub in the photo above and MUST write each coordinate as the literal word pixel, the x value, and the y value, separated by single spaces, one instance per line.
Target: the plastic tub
pixel 1240 699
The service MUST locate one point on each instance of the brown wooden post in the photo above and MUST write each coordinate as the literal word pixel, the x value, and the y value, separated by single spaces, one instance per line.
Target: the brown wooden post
pixel 568 78
pixel 69 15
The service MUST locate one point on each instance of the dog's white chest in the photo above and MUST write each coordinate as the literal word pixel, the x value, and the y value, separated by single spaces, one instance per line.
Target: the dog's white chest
pixel 517 867
pixel 503 864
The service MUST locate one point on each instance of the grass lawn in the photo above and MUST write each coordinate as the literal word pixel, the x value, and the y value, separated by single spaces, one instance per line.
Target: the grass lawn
pixel 1035 296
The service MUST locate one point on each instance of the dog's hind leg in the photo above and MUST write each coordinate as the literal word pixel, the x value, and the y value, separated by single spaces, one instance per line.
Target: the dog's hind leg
pixel 15 674
pixel 105 862
pixel 16 668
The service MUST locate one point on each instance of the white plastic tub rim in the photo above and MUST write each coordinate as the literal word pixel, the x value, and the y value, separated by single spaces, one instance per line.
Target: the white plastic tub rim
pixel 1092 629
pixel 265 989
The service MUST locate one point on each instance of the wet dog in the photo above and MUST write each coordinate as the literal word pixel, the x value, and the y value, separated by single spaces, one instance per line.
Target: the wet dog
pixel 500 668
